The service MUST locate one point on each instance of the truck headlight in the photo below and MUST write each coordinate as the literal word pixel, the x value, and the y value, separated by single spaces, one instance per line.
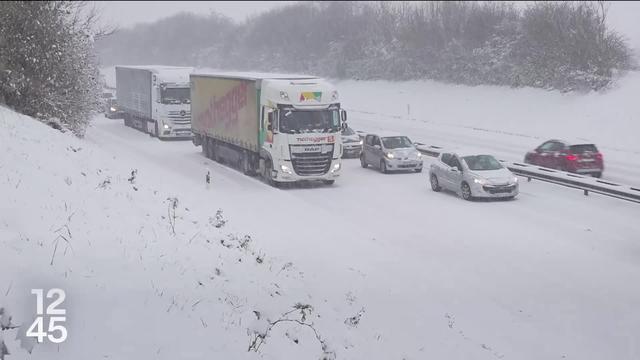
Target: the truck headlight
pixel 112 109
pixel 285 169
pixel 480 181
pixel 166 126
pixel 389 155
pixel 336 167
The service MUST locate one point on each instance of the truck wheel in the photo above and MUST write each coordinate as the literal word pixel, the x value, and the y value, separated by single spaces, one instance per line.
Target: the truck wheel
pixel 267 174
pixel 205 147
pixel 245 164
pixel 210 149
pixel 215 152
pixel 154 132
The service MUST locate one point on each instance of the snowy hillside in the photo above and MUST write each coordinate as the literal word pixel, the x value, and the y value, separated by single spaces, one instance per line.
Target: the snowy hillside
pixel 391 269
pixel 147 270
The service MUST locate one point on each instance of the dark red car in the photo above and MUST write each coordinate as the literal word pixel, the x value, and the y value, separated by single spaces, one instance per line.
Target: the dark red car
pixel 578 157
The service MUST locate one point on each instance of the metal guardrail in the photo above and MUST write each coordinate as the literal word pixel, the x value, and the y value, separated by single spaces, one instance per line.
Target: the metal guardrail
pixel 585 183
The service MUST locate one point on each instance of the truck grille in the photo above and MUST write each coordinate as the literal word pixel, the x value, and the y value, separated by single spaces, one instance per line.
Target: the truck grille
pixel 180 117
pixel 311 163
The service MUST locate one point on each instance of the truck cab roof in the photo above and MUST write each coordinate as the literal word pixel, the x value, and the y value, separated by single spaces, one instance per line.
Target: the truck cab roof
pixel 253 75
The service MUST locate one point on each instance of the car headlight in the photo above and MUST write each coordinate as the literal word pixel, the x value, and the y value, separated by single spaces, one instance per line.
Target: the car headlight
pixel 336 167
pixel 515 179
pixel 285 169
pixel 112 109
pixel 166 126
pixel 389 155
pixel 480 181
pixel 360 142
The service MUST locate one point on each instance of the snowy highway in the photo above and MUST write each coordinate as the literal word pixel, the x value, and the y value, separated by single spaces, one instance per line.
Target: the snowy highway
pixel 547 275
pixel 516 121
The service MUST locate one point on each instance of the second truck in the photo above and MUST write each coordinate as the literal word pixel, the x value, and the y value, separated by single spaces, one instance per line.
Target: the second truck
pixel 155 99
pixel 283 128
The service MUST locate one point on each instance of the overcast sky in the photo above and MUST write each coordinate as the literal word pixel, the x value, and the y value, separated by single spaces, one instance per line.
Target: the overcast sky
pixel 623 16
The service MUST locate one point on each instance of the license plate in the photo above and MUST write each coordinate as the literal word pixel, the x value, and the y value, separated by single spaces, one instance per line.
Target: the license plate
pixel 586 160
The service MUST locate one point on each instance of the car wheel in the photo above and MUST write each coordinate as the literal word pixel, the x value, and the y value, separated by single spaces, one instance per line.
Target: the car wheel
pixel 383 167
pixel 465 191
pixel 435 186
pixel 597 175
pixel 418 170
pixel 363 163
pixel 328 182
pixel 509 198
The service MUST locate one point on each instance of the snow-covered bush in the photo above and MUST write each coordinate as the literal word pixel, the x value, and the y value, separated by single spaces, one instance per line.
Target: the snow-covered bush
pixel 48 68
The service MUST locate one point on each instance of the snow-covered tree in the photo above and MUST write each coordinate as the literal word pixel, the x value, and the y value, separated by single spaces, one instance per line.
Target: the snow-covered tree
pixel 48 67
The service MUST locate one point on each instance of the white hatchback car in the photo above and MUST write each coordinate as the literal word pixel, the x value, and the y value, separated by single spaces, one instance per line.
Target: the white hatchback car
pixel 472 175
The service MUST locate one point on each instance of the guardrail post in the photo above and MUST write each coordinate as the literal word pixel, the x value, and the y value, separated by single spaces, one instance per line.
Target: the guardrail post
pixel 528 179
pixel 586 192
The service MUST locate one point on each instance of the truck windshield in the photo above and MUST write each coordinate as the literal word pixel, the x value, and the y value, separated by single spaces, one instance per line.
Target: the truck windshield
pixel 176 96
pixel 309 121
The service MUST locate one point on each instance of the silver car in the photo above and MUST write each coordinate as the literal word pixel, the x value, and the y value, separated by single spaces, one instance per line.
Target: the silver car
pixel 472 175
pixel 351 143
pixel 390 153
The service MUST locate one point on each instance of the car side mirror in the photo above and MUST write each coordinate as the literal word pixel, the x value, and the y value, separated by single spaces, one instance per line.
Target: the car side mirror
pixel 377 147
pixel 454 169
pixel 344 126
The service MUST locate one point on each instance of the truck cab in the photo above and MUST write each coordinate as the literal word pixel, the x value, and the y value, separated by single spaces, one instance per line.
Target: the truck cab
pixel 171 105
pixel 301 124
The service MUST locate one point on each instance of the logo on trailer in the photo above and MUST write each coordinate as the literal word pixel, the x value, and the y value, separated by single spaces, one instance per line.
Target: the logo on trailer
pixel 311 95
pixel 224 109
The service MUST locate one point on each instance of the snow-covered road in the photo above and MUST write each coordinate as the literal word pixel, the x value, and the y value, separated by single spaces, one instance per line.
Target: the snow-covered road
pixel 549 275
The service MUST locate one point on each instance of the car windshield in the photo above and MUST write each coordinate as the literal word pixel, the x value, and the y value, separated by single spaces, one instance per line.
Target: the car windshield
pixel 176 96
pixel 482 162
pixel 396 142
pixel 309 121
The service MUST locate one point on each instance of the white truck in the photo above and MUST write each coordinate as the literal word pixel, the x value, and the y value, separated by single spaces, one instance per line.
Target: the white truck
pixel 155 99
pixel 285 128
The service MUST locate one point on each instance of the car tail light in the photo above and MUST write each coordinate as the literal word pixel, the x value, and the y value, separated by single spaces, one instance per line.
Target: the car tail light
pixel 572 157
pixel 599 156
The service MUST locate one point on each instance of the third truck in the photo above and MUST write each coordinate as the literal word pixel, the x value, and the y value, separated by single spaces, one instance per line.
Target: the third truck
pixel 284 128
